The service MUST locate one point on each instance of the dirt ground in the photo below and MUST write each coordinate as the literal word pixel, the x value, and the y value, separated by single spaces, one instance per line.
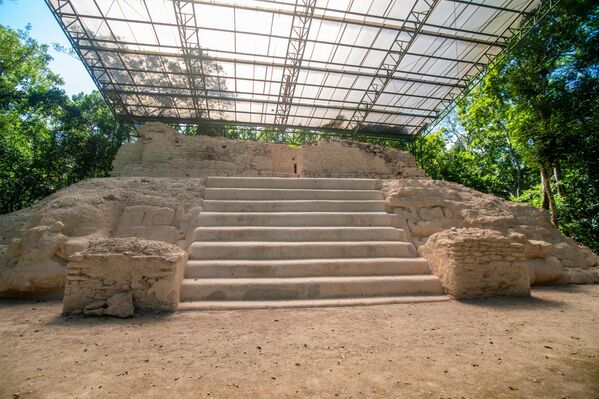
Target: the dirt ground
pixel 542 347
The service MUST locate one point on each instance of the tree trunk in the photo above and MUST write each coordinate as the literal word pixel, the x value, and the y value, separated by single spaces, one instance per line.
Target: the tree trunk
pixel 547 190
pixel 557 174
pixel 545 200
pixel 516 163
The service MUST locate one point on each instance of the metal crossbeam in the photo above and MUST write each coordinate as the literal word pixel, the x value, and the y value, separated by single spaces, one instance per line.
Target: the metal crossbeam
pixel 378 25
pixel 300 28
pixel 192 52
pixel 362 19
pixel 493 61
pixel 222 98
pixel 95 66
pixel 326 66
pixel 362 60
pixel 417 16
pixel 192 121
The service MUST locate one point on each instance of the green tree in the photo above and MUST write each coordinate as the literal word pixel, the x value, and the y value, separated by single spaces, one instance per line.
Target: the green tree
pixel 551 70
pixel 531 129
pixel 47 140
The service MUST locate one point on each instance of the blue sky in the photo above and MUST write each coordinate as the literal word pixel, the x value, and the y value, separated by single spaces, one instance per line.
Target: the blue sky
pixel 17 14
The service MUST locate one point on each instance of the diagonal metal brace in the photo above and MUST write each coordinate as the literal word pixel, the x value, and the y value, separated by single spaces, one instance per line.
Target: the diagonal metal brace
pixel 404 39
pixel 300 28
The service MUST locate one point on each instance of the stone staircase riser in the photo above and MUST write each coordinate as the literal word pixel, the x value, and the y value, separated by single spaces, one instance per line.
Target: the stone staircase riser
pixel 232 233
pixel 299 250
pixel 306 268
pixel 311 219
pixel 294 206
pixel 254 289
pixel 289 194
pixel 292 183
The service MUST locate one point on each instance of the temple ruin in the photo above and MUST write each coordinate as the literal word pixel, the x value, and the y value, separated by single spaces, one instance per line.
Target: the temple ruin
pixel 200 222
pixel 186 223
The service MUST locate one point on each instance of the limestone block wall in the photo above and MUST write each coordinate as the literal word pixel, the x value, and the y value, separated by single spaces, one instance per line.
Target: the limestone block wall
pixel 150 271
pixel 476 263
pixel 160 152
pixel 342 158
pixel 425 207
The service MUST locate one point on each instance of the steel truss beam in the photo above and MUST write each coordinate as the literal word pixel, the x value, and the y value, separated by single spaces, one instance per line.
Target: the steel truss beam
pixel 224 99
pixel 496 41
pixel 420 11
pixel 190 40
pixel 322 120
pixel 326 66
pixel 300 28
pixel 76 34
pixel 180 79
pixel 364 19
pixel 317 130
pixel 237 95
pixel 517 35
pixel 408 94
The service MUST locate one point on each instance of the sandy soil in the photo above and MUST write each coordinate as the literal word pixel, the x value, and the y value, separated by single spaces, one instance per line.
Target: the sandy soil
pixel 543 347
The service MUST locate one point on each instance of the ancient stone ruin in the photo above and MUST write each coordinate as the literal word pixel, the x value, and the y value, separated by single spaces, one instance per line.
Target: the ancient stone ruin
pixel 266 225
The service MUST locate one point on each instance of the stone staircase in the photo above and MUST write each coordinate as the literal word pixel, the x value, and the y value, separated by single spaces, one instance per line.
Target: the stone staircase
pixel 299 242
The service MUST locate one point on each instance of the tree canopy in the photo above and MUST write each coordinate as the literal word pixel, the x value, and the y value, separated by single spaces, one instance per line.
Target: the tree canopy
pixel 530 131
pixel 47 140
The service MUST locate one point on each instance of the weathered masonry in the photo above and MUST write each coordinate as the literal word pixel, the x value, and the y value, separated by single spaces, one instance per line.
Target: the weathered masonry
pixel 265 225
pixel 160 152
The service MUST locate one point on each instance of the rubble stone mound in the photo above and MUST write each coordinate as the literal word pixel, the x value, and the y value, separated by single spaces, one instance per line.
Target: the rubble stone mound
pixel 117 275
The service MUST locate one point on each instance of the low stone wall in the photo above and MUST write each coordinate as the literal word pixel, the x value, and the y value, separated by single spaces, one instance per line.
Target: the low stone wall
pixel 160 152
pixel 477 263
pixel 109 275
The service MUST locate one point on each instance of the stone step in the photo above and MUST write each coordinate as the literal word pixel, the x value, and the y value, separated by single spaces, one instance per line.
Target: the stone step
pixel 300 250
pixel 293 182
pixel 308 287
pixel 250 233
pixel 289 194
pixel 308 303
pixel 295 206
pixel 330 219
pixel 305 267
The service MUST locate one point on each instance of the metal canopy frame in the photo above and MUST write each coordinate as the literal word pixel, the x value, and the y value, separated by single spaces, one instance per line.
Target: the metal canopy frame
pixel 388 67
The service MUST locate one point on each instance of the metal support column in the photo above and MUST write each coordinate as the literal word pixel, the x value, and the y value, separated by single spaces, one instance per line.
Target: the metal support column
pixel 193 55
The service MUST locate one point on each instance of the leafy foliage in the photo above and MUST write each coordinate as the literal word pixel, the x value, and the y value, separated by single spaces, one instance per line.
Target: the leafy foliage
pixel 530 131
pixel 47 140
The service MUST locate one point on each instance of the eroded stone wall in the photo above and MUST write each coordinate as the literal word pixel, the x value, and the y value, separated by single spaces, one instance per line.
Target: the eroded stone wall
pixel 342 158
pixel 160 152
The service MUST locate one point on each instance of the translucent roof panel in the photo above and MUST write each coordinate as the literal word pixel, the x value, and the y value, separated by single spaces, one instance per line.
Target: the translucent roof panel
pixel 376 65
